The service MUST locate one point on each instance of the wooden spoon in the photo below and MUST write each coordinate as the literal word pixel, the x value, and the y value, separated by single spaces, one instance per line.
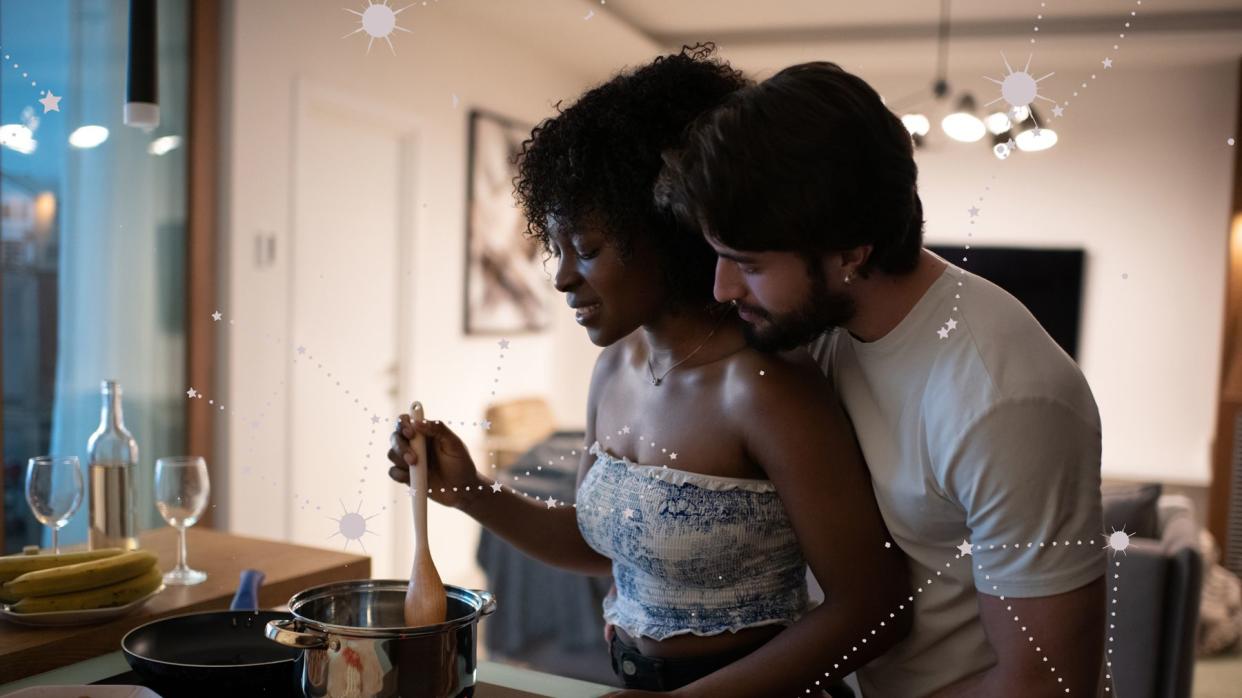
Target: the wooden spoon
pixel 425 601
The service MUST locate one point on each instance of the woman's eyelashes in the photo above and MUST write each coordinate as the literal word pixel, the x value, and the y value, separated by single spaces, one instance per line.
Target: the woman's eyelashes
pixel 582 249
pixel 556 253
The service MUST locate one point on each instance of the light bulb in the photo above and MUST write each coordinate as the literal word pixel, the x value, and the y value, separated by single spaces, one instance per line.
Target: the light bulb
pixel 964 127
pixel 163 144
pixel 18 137
pixel 916 124
pixel 1029 142
pixel 88 136
pixel 997 123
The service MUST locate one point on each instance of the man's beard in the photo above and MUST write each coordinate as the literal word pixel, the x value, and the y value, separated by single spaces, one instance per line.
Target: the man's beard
pixel 823 310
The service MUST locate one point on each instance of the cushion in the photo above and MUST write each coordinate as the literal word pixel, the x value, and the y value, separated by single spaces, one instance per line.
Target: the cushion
pixel 1131 508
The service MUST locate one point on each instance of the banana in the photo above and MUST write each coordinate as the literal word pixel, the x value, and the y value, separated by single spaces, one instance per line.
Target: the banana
pixel 14 566
pixel 115 594
pixel 81 576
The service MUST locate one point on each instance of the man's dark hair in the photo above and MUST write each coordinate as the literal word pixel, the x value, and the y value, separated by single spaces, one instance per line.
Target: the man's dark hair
pixel 811 161
pixel 596 161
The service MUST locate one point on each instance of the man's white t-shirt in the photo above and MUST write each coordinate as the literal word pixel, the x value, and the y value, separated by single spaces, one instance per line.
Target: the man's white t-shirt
pixel 977 428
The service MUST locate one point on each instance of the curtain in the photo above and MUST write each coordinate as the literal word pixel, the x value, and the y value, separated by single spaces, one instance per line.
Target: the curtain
pixel 121 287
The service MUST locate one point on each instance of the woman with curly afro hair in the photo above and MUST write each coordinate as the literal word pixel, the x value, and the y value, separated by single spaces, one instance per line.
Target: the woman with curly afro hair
pixel 712 474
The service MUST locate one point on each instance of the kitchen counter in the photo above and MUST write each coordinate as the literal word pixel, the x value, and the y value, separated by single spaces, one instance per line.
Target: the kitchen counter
pixel 26 651
pixel 494 680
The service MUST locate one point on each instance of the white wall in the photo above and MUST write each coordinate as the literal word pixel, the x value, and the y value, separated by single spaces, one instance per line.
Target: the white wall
pixel 453 50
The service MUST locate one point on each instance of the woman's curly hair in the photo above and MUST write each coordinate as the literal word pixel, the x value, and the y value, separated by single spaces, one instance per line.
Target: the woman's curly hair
pixel 596 161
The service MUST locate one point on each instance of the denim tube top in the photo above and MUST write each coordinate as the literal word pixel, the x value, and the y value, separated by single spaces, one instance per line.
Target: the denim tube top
pixel 691 553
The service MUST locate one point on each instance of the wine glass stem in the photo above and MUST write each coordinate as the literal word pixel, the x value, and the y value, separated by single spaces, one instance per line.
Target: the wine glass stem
pixel 56 540
pixel 181 550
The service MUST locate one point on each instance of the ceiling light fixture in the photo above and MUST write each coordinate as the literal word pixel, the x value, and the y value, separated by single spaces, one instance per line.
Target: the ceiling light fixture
pixel 962 125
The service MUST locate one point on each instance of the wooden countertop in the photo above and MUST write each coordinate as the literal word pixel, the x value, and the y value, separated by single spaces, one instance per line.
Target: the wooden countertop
pixel 25 651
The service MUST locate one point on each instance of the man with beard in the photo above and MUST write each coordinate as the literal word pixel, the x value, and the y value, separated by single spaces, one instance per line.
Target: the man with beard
pixel 981 434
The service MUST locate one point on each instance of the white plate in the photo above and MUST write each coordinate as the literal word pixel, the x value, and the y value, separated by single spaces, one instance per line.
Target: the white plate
pixel 77 691
pixel 93 615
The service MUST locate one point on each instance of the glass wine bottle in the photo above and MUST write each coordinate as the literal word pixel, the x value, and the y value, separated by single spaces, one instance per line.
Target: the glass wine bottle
pixel 113 456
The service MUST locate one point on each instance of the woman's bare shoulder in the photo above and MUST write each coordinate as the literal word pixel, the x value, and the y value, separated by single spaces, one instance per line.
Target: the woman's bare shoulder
pixel 755 371
pixel 769 388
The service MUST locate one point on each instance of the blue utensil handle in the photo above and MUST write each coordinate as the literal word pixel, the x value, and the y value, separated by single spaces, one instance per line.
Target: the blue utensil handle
pixel 247 596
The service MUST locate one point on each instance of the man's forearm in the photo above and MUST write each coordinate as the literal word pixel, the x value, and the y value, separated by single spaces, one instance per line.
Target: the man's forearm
pixel 1066 628
pixel 992 682
pixel 975 686
pixel 800 655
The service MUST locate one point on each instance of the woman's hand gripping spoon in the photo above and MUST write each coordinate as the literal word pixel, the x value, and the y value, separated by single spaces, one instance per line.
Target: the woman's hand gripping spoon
pixel 425 601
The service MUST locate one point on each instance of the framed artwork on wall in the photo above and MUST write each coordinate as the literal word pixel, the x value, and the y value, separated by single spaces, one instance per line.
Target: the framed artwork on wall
pixel 507 286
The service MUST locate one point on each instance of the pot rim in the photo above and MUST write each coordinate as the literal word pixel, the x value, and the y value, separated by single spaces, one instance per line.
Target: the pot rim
pixel 482 603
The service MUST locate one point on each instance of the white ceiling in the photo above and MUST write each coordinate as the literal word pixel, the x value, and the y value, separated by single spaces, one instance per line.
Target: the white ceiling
pixel 670 17
pixel 900 36
pixel 870 37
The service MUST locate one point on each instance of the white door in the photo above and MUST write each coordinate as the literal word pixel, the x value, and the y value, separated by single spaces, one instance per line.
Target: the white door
pixel 352 188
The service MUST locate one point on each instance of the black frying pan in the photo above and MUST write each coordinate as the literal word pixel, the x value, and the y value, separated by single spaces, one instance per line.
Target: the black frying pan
pixel 217 651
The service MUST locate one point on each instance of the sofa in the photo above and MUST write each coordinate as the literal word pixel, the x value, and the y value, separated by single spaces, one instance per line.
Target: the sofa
pixel 1157 594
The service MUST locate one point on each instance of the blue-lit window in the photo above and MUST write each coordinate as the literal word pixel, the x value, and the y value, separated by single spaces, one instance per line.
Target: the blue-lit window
pixel 92 243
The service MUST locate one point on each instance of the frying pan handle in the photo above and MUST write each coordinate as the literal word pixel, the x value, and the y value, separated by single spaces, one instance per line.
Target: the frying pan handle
pixel 279 631
pixel 489 602
pixel 247 596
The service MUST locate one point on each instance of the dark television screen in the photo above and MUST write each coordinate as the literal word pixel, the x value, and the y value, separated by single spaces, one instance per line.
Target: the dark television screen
pixel 1047 282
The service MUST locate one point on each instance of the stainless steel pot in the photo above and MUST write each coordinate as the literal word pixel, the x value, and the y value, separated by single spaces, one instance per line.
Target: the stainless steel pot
pixel 356 644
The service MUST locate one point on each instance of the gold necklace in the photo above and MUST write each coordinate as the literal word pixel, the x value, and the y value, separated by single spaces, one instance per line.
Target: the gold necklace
pixel 657 381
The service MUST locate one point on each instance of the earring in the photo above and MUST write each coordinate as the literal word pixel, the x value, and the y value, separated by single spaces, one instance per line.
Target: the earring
pixel 846 279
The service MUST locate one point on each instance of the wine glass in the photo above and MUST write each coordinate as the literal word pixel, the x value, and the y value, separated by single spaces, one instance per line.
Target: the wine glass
pixel 181 489
pixel 54 491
